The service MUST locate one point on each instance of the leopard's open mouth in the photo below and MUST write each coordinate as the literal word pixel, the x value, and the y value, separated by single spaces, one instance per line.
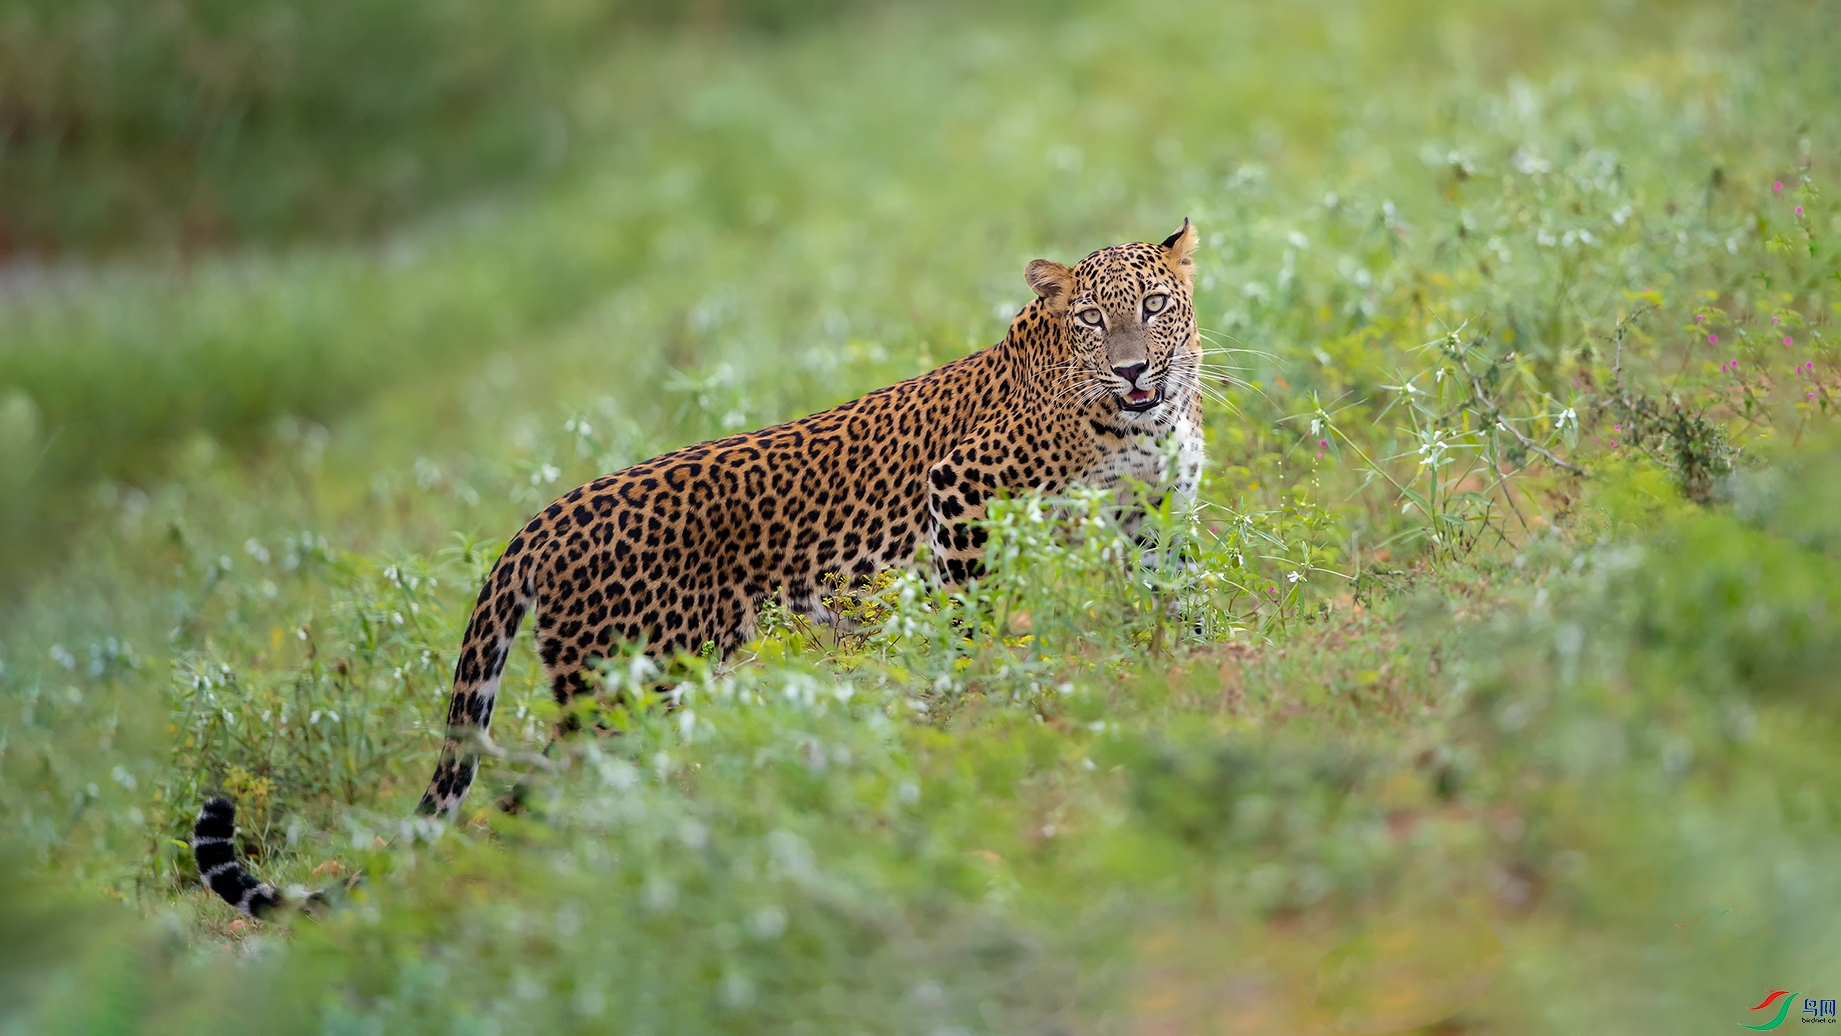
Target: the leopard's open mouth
pixel 1139 400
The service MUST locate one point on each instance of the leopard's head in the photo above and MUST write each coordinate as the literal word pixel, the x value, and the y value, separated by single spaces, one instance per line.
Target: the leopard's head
pixel 1129 317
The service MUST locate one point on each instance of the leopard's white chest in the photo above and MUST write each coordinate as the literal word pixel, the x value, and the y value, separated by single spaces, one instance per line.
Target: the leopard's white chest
pixel 1166 461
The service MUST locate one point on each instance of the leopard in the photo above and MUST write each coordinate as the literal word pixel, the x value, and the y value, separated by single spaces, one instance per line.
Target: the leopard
pixel 1096 383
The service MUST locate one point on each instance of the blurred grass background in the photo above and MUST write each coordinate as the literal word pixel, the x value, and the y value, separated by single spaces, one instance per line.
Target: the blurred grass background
pixel 198 124
pixel 303 306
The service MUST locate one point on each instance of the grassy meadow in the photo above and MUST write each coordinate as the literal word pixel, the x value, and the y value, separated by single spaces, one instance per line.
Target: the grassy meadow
pixel 1500 697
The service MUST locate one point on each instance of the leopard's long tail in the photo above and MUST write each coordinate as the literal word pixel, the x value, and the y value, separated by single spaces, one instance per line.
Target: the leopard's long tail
pixel 509 593
pixel 214 847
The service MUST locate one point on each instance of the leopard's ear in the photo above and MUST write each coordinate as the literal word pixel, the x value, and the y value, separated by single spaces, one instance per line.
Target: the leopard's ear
pixel 1178 246
pixel 1051 281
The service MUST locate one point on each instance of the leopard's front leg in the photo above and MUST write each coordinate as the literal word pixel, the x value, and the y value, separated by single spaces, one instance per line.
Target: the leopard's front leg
pixel 958 497
pixel 961 487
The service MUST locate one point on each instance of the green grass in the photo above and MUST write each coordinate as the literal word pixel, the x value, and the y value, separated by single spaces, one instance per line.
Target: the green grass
pixel 1461 733
pixel 197 124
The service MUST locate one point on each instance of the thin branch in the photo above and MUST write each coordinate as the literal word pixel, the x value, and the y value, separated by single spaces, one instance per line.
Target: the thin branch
pixel 1476 386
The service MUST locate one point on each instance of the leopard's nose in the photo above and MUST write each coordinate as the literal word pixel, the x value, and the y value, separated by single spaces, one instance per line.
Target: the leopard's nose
pixel 1130 374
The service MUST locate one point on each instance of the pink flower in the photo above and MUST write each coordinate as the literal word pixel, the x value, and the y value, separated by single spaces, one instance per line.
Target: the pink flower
pixel 1713 339
pixel 1613 443
pixel 1777 185
pixel 1799 210
pixel 1774 320
pixel 1323 443
pixel 1787 340
pixel 1699 317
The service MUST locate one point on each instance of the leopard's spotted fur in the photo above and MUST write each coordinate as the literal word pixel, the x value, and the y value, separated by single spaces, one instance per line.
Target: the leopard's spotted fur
pixel 1087 387
pixel 1096 383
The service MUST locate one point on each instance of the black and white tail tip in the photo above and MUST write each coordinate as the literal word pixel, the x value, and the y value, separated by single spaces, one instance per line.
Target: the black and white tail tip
pixel 214 847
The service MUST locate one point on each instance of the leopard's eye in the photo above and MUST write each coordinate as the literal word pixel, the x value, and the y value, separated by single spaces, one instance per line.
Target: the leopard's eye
pixel 1154 304
pixel 1091 317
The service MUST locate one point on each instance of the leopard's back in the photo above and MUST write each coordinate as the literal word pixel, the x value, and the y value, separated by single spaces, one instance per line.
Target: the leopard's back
pixel 680 551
